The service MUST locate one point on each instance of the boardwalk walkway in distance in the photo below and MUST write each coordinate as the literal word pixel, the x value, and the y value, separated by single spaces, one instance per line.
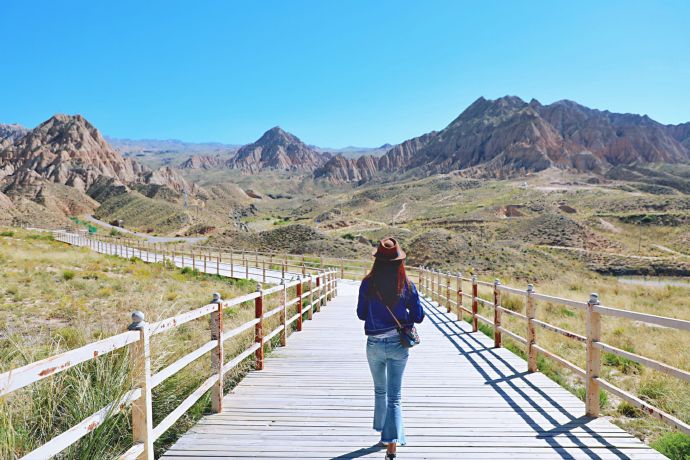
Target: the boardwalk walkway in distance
pixel 462 400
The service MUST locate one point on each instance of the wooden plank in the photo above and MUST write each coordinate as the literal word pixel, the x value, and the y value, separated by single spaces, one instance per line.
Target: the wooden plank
pixel 171 323
pixel 184 406
pixel 181 363
pixel 83 428
pixel 558 330
pixel 19 378
pixel 674 323
pixel 483 405
pixel 646 407
pixel 674 371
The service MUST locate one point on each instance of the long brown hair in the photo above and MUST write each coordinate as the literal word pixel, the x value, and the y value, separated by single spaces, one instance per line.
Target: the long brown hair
pixel 387 280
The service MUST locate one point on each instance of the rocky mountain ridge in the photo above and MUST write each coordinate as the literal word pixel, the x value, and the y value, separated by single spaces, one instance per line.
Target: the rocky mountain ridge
pixel 508 137
pixel 279 150
pixel 10 133
pixel 65 162
pixel 204 162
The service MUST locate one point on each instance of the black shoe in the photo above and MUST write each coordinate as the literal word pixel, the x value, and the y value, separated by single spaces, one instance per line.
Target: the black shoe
pixel 390 456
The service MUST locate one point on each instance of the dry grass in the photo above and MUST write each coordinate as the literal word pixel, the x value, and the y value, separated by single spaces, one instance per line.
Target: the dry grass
pixel 55 297
pixel 663 344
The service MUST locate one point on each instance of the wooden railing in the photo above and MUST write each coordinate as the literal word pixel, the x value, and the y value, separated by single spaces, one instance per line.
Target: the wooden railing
pixel 447 290
pixel 346 268
pixel 320 288
pixel 198 255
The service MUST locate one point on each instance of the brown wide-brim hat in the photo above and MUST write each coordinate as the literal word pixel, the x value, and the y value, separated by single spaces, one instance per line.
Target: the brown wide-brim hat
pixel 389 250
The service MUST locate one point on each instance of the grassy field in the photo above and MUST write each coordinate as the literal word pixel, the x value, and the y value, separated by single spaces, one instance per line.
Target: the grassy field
pixel 55 297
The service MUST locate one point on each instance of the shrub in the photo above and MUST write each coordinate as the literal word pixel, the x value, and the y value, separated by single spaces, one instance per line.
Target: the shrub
pixel 7 233
pixel 189 271
pixel 67 275
pixel 40 236
pixel 674 445
pixel 625 365
pixel 628 410
pixel 656 392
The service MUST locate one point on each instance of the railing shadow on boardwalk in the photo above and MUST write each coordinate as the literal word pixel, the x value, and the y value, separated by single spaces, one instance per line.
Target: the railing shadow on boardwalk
pixel 456 334
pixel 364 451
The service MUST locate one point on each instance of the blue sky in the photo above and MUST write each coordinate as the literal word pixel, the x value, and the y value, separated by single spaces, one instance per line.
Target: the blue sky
pixel 334 73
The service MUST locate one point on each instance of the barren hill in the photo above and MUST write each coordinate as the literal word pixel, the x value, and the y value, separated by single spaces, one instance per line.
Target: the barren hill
pixel 278 149
pixel 64 163
pixel 508 136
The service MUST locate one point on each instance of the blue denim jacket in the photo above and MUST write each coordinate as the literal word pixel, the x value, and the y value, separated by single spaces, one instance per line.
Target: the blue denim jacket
pixel 377 319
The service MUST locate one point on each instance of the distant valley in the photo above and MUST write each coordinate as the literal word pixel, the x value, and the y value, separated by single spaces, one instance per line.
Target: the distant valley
pixel 500 165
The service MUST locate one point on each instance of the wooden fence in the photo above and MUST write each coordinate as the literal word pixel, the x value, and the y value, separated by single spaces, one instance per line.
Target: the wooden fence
pixel 320 288
pixel 447 289
pixel 222 261
pixel 202 255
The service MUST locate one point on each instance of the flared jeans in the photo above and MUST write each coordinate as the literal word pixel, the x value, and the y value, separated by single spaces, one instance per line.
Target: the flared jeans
pixel 387 359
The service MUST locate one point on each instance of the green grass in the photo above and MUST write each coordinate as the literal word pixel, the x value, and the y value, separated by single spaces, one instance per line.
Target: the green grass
pixel 675 446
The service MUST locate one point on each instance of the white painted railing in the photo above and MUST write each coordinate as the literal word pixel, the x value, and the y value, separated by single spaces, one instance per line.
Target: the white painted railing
pixel 320 288
pixel 447 289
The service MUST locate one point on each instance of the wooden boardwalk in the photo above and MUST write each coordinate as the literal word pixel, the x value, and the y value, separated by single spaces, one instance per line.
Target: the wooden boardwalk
pixel 462 399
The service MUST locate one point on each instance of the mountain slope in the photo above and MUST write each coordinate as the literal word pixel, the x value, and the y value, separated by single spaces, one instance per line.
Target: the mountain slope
pixel 508 136
pixel 277 149
pixel 65 167
pixel 67 150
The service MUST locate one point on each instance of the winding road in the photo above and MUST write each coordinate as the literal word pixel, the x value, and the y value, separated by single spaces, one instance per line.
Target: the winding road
pixel 149 238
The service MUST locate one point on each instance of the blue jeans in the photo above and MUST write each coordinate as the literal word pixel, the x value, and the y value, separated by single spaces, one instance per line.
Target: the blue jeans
pixel 387 358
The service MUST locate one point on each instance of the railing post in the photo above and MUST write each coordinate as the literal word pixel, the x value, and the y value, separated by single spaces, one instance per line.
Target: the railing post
pixel 283 315
pixel 259 328
pixel 299 304
pixel 282 268
pixel 204 263
pixel 334 284
pixel 310 313
pixel 329 287
pixel 218 264
pixel 263 269
pixel 448 306
pixel 593 357
pixel 531 331
pixel 475 302
pixel 246 268
pixel 232 268
pixel 342 268
pixel 142 411
pixel 458 294
pixel 304 267
pixel 497 314
pixel 320 291
pixel 216 319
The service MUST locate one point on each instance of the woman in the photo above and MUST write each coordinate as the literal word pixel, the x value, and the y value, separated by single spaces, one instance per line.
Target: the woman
pixel 386 291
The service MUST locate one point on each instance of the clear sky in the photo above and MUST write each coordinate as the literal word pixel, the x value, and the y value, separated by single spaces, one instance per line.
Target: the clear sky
pixel 334 73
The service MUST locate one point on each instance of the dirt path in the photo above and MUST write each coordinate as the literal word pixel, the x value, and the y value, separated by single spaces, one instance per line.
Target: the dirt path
pixel 606 225
pixel 149 238
pixel 400 213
